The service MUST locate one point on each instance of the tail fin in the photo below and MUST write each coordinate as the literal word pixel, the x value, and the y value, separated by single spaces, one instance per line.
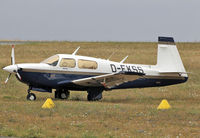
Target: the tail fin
pixel 168 59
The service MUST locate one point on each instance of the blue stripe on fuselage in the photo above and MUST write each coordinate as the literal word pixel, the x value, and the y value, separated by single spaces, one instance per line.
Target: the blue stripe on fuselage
pixel 51 80
pixel 148 82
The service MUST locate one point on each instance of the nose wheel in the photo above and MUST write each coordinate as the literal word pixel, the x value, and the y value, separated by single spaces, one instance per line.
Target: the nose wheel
pixel 30 96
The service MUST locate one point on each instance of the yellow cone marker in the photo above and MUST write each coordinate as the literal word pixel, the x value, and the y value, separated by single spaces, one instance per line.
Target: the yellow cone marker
pixel 164 105
pixel 48 103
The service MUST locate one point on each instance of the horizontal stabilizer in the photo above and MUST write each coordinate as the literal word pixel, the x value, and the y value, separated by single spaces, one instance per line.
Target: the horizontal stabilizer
pixel 174 72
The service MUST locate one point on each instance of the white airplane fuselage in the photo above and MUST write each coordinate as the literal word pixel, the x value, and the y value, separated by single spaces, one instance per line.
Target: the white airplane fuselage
pixel 42 75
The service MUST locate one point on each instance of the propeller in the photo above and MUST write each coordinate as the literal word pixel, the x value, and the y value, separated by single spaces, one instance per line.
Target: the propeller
pixel 13 68
pixel 7 78
pixel 13 55
pixel 18 74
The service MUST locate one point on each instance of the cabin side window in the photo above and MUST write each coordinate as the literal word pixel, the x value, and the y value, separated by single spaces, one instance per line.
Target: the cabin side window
pixel 87 64
pixel 51 60
pixel 68 62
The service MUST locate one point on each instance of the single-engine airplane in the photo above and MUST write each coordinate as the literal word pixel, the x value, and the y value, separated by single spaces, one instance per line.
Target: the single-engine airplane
pixel 64 72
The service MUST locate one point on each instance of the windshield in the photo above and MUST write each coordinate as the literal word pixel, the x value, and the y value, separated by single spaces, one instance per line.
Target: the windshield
pixel 51 60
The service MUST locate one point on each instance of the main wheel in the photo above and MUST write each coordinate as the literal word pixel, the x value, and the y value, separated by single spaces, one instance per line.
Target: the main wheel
pixel 31 97
pixel 94 94
pixel 63 94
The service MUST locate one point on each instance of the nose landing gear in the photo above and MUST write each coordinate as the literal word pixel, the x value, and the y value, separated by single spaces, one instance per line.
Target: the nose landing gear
pixel 30 96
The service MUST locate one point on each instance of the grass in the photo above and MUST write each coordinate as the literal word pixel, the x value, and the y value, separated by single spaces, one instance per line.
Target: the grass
pixel 121 113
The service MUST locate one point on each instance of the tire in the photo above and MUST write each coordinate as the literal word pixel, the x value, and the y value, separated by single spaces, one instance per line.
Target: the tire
pixel 63 95
pixel 31 97
pixel 94 94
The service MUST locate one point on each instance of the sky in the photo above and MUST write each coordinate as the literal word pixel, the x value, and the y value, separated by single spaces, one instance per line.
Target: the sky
pixel 100 20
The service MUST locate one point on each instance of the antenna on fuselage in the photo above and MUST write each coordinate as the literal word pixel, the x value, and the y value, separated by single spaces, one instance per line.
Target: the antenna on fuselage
pixel 111 55
pixel 76 51
pixel 124 59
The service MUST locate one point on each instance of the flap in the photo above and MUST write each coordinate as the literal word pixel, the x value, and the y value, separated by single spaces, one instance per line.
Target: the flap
pixel 109 80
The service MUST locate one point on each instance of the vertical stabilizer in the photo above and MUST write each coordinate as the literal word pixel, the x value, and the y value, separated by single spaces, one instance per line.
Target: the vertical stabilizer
pixel 168 59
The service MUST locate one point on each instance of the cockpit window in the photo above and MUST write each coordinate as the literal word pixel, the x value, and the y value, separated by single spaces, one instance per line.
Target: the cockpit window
pixel 51 60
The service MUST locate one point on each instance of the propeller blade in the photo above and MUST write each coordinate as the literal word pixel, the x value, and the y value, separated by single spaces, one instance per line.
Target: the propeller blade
pixel 19 76
pixel 7 78
pixel 13 55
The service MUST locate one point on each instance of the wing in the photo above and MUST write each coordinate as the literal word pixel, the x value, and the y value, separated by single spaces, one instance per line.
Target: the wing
pixel 109 80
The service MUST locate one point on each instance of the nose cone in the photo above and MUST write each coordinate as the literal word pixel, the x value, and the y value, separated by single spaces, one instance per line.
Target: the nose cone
pixel 11 68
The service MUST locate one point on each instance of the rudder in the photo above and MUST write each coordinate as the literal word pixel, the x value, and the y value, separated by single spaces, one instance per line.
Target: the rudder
pixel 168 59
